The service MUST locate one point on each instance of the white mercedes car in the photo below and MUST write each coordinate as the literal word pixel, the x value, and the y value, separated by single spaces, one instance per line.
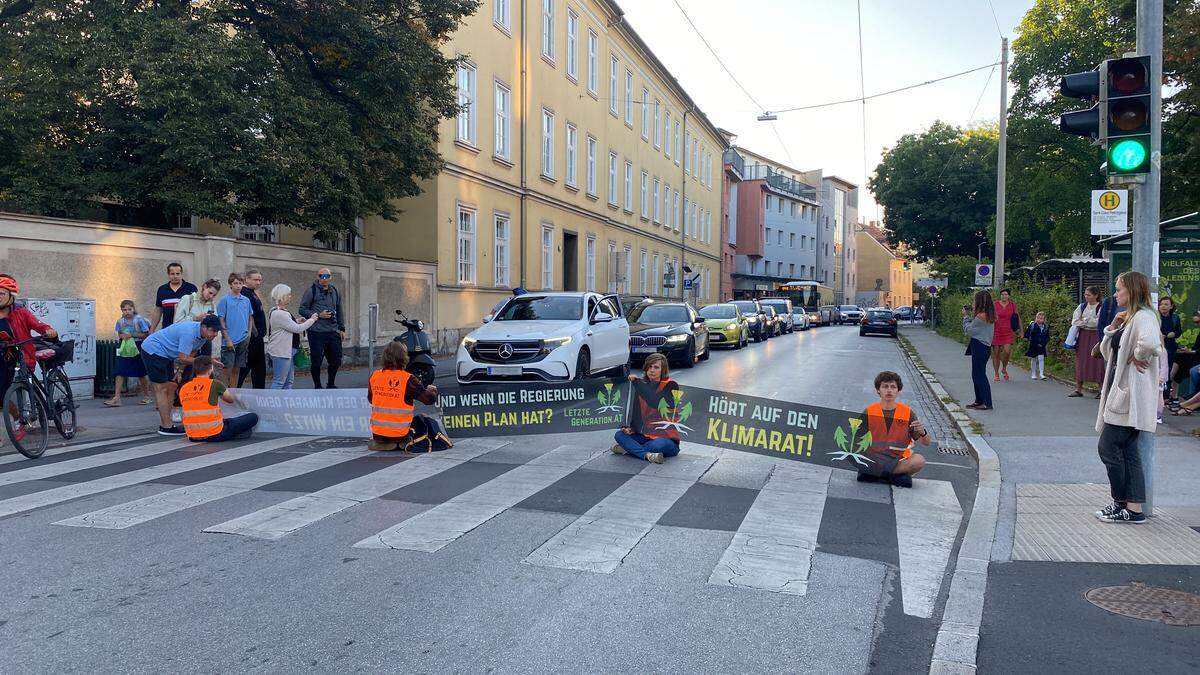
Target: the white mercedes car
pixel 547 337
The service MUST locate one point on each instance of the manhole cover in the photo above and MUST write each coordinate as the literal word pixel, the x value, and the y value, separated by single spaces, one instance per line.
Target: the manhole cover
pixel 1139 601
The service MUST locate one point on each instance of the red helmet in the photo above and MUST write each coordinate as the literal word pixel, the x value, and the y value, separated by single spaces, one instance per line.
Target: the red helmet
pixel 9 284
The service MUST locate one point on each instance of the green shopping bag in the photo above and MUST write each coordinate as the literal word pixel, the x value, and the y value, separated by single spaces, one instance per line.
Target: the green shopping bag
pixel 302 359
pixel 128 348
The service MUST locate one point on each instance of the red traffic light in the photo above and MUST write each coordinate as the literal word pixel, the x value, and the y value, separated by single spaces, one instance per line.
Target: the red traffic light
pixel 1129 76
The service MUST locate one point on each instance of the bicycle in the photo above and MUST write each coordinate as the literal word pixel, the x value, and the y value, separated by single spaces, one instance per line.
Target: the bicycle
pixel 30 403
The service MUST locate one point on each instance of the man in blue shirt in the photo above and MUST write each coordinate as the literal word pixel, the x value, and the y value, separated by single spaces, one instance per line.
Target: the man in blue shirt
pixel 234 310
pixel 164 353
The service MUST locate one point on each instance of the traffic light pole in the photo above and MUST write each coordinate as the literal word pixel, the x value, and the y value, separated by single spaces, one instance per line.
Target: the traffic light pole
pixel 1001 164
pixel 1146 195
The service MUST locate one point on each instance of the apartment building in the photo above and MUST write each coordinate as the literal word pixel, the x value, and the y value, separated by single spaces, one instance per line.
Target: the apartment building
pixel 836 249
pixel 885 277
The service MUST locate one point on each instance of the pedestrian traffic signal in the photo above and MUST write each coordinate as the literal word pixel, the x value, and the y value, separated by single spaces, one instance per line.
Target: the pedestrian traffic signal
pixel 1084 86
pixel 1127 105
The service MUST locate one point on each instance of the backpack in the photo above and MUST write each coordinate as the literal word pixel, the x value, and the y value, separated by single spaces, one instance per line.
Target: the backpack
pixel 427 436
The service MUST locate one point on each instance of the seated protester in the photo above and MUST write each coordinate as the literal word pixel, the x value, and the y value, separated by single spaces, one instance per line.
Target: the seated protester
pixel 893 428
pixel 201 399
pixel 165 353
pixel 393 392
pixel 643 438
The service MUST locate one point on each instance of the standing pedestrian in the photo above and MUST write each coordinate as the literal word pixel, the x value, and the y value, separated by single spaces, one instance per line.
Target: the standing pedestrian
pixel 169 295
pixel 257 358
pixel 1038 335
pixel 234 312
pixel 1089 367
pixel 1004 335
pixel 131 329
pixel 979 325
pixel 1132 346
pixel 165 353
pixel 283 338
pixel 323 300
pixel 1171 328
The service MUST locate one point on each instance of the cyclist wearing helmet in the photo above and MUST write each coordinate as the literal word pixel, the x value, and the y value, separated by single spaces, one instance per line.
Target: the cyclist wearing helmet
pixel 16 324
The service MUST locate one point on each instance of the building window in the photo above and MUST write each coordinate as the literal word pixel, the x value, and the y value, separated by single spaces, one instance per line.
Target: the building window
pixel 466 245
pixel 655 277
pixel 466 103
pixel 667 131
pixel 572 155
pixel 792 240
pixel 693 217
pixel 668 212
pixel 591 166
pixel 803 271
pixel 590 263
pixel 502 14
pixel 645 187
pixel 793 207
pixel 791 269
pixel 501 249
pixel 614 268
pixel 629 97
pixel 678 149
pixel 267 233
pixel 695 152
pixel 768 239
pixel 677 215
pixel 803 241
pixel 614 69
pixel 645 114
pixel 548 29
pixel 612 178
pixel 503 116
pixel 547 143
pixel 642 274
pixel 629 186
pixel 780 241
pixel 342 242
pixel 593 76
pixel 572 44
pixel 657 212
pixel 687 166
pixel 657 129
pixel 780 205
pixel 547 257
pixel 753 266
pixel 768 203
pixel 627 282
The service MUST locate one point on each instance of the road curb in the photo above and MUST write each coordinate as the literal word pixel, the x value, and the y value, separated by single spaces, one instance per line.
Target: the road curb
pixel 958 636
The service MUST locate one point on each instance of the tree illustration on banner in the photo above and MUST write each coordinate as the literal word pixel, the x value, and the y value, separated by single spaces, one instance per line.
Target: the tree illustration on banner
pixel 673 417
pixel 609 398
pixel 855 447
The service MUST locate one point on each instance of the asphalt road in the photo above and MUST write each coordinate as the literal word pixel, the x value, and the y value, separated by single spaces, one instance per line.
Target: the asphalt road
pixel 521 554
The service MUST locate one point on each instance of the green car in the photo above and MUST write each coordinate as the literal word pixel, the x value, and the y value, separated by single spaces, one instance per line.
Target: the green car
pixel 726 325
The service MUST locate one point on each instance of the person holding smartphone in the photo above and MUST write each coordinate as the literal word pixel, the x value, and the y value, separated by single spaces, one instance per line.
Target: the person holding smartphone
pixel 323 300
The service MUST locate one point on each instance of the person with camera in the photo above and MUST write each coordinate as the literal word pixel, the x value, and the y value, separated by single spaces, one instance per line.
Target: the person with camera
pixel 323 300
pixel 979 325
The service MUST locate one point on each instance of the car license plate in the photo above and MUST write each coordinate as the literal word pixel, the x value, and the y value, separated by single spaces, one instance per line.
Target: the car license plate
pixel 645 350
pixel 504 370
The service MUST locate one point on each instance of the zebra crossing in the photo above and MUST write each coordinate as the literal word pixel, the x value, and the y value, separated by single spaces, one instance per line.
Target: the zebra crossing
pixel 770 549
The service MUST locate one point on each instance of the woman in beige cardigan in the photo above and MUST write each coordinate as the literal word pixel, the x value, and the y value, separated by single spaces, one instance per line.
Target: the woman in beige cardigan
pixel 1132 346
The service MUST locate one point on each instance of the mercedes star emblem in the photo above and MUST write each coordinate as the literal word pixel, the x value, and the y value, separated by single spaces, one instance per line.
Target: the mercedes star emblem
pixel 505 351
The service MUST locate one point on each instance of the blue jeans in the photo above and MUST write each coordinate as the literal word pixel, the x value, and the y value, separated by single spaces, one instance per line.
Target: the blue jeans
pixel 1194 375
pixel 980 353
pixel 283 372
pixel 235 427
pixel 638 445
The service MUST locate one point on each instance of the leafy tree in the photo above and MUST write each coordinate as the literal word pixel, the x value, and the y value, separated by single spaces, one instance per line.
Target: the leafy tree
pixel 306 114
pixel 959 270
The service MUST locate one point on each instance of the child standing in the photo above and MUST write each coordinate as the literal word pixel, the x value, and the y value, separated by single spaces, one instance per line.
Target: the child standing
pixel 894 428
pixel 1038 335
pixel 131 329
pixel 234 311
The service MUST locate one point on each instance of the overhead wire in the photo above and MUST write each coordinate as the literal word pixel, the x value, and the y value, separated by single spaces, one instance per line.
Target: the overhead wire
pixel 997 21
pixel 885 93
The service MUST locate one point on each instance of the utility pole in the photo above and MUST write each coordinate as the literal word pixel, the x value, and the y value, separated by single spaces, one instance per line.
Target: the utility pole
pixel 1001 165
pixel 1146 195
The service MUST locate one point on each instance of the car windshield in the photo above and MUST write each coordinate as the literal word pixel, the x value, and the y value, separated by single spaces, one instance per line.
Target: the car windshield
pixel 880 314
pixel 747 307
pixel 542 308
pixel 779 305
pixel 659 314
pixel 719 312
pixel 850 308
pixel 769 311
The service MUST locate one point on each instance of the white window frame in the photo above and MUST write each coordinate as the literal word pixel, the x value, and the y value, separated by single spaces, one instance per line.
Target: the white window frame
pixel 656 278
pixel 547 257
pixel 628 194
pixel 645 114
pixel 612 178
pixel 614 75
pixel 645 194
pixel 678 213
pixel 657 211
pixel 502 14
pixel 548 143
pixel 593 47
pixel 695 151
pixel 611 267
pixel 657 128
pixel 668 212
pixel 642 273
pixel 667 127
pixel 692 216
pixel 677 148
pixel 502 232
pixel 465 254
pixel 589 255
pixel 627 284
pixel 465 126
pixel 628 97
pixel 687 164
pixel 548 29
pixel 503 121
pixel 572 45
pixel 571 172
pixel 591 165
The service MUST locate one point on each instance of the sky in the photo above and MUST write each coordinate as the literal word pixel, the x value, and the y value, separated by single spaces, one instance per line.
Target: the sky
pixel 790 53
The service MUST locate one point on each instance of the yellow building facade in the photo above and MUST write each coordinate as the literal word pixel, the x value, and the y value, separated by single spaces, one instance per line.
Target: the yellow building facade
pixel 882 279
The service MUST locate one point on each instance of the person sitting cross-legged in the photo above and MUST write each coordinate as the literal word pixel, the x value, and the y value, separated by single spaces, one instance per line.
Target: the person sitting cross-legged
pixel 201 399
pixel 893 428
pixel 393 393
pixel 647 436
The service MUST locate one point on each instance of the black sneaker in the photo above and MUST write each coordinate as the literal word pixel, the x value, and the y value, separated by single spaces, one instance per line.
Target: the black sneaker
pixel 868 478
pixel 1125 516
pixel 901 480
pixel 1107 511
pixel 171 431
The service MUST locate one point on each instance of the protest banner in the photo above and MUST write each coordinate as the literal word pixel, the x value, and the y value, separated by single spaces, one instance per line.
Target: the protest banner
pixel 313 412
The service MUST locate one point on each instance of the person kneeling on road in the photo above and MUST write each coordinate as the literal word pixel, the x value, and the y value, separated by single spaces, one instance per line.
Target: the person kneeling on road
pixel 201 399
pixel 648 436
pixel 893 428
pixel 392 393
pixel 165 353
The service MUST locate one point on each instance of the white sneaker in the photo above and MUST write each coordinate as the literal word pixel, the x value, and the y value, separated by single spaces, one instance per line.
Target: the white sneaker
pixel 654 457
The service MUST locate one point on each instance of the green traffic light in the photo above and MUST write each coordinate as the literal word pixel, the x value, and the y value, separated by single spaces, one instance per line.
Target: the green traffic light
pixel 1127 155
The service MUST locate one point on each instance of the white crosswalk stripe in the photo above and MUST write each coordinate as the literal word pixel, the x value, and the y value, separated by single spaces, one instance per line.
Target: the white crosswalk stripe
pixel 51 452
pixel 143 510
pixel 434 529
pixel 601 538
pixel 44 471
pixel 64 493
pixel 282 519
pixel 927 521
pixel 773 547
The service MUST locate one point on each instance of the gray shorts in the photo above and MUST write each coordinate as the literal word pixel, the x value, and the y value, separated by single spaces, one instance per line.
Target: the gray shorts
pixel 238 356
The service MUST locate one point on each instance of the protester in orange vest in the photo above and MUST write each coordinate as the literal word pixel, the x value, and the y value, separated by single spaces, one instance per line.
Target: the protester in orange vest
pixel 201 398
pixel 894 428
pixel 392 393
pixel 644 438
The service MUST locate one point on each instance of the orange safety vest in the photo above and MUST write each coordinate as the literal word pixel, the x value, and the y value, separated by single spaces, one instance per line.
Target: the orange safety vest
pixel 201 419
pixel 391 416
pixel 896 439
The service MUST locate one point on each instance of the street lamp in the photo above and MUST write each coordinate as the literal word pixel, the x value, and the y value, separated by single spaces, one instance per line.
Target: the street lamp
pixel 979 251
pixel 768 117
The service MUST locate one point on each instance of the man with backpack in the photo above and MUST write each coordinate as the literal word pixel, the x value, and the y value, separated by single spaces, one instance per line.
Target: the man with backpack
pixel 323 300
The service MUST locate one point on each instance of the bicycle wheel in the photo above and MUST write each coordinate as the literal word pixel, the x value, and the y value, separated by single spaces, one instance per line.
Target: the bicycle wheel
pixel 62 402
pixel 25 420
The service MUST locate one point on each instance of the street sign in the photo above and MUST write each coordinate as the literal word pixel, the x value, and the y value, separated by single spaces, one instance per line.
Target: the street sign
pixel 687 284
pixel 940 283
pixel 983 275
pixel 1110 212
pixel 932 290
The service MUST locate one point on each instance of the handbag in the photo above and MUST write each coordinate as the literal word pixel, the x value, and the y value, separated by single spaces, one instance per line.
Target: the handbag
pixel 302 359
pixel 128 348
pixel 1014 322
pixel 427 436
pixel 1073 335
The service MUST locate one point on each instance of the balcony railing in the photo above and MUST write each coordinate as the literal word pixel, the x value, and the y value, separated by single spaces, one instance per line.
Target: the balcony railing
pixel 733 158
pixel 785 184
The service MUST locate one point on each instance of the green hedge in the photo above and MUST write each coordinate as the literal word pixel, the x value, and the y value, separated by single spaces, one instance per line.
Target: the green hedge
pixel 1056 301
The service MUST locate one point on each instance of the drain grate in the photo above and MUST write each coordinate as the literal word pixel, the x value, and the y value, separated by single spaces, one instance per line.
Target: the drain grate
pixel 952 448
pixel 1151 603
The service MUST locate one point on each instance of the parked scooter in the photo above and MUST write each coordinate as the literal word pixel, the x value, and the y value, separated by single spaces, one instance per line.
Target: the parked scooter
pixel 420 356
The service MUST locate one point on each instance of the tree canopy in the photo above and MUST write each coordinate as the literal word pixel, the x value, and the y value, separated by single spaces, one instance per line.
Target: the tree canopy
pixel 307 114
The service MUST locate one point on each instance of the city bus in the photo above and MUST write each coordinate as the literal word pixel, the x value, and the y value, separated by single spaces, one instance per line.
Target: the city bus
pixel 813 297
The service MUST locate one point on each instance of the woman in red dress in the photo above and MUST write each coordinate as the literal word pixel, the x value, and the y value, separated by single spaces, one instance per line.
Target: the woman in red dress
pixel 1003 336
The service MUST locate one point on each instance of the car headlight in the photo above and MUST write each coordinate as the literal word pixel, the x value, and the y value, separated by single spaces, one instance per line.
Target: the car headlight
pixel 555 343
pixel 468 343
pixel 752 319
pixel 676 339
